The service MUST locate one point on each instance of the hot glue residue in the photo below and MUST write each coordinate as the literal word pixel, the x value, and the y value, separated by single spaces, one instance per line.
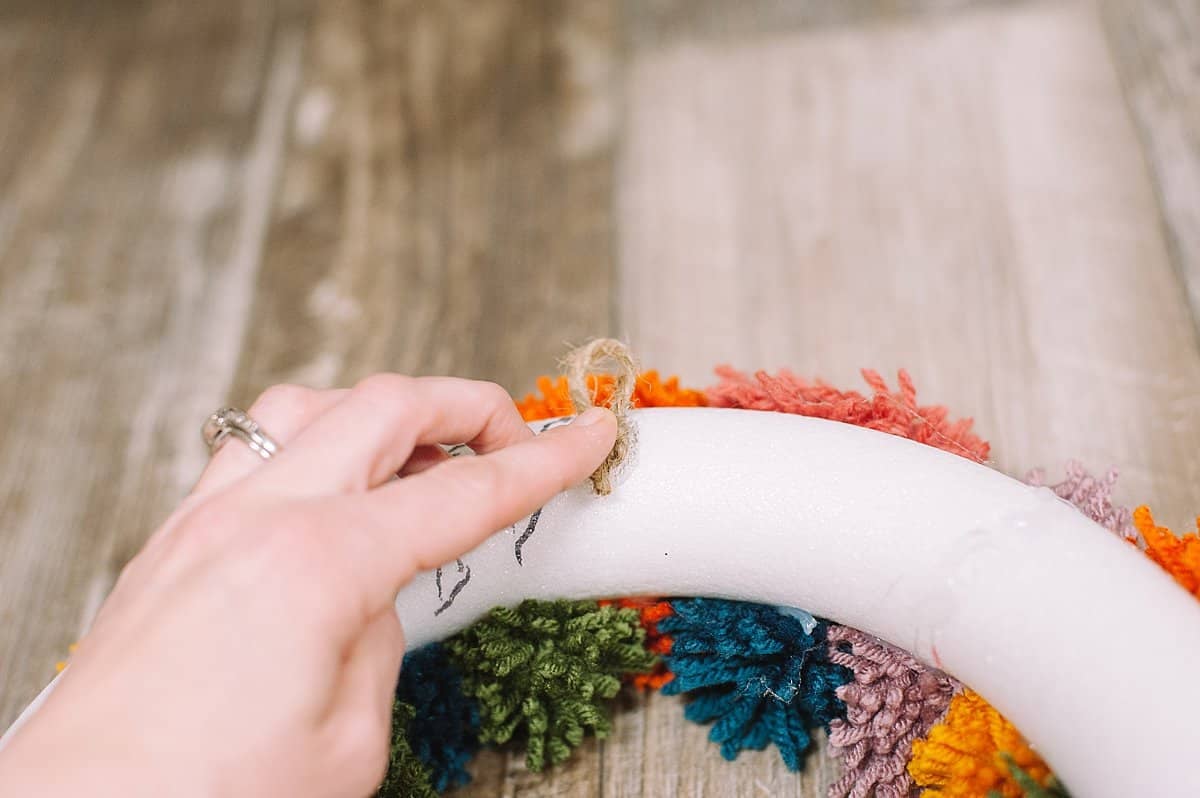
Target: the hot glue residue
pixel 806 619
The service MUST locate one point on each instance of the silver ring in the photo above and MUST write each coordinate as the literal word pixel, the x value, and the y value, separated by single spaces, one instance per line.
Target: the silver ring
pixel 232 421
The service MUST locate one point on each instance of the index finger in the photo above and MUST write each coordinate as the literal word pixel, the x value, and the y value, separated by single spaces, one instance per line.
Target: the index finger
pixel 369 435
pixel 424 521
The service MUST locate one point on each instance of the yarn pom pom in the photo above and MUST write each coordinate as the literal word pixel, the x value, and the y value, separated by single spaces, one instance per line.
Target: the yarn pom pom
pixel 544 669
pixel 893 700
pixel 975 751
pixel 444 732
pixel 894 412
pixel 1051 789
pixel 650 391
pixel 1178 556
pixel 759 675
pixel 651 611
pixel 1092 495
pixel 406 775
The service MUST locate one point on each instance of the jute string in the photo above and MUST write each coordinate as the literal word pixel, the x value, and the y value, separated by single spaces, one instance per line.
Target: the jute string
pixel 588 359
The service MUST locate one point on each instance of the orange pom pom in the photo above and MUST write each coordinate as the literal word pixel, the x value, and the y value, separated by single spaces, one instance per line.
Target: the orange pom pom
pixel 963 756
pixel 1178 556
pixel 651 391
pixel 651 612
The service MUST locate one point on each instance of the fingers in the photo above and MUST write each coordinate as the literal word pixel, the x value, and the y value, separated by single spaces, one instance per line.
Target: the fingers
pixel 433 517
pixel 283 411
pixel 366 438
pixel 423 458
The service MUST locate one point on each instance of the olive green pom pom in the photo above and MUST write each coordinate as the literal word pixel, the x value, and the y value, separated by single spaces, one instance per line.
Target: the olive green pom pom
pixel 543 671
pixel 1052 789
pixel 406 774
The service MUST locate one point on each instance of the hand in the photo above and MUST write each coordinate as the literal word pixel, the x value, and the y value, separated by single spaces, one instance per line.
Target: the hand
pixel 252 647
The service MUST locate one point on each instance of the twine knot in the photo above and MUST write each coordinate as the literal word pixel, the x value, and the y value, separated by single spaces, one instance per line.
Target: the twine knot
pixel 587 360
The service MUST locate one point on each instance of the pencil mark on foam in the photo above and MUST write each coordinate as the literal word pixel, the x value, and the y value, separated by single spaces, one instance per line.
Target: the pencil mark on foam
pixel 463 569
pixel 462 450
pixel 526 535
pixel 555 422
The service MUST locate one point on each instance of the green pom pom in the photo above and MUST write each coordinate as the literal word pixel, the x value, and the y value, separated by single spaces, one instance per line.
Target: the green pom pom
pixel 406 776
pixel 544 670
pixel 1053 789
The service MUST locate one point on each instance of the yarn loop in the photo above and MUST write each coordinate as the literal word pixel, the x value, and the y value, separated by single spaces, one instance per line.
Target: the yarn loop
pixel 444 729
pixel 754 672
pixel 543 670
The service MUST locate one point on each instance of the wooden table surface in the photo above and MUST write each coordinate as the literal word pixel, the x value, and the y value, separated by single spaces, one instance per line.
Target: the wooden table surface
pixel 200 199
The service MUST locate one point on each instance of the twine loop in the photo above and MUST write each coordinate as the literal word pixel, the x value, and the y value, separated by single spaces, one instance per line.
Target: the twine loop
pixel 587 360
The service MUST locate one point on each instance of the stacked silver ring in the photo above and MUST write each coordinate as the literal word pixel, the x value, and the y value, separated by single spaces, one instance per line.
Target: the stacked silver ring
pixel 232 421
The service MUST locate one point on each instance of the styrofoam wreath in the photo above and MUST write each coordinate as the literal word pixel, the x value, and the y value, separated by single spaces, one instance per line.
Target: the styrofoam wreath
pixel 835 560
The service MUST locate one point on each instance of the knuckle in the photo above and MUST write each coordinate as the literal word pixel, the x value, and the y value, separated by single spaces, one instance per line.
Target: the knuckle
pixel 391 393
pixel 494 394
pixel 281 401
pixel 383 386
pixel 477 480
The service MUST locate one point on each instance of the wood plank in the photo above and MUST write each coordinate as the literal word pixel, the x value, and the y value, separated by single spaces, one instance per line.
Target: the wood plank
pixel 654 23
pixel 963 196
pixel 1156 47
pixel 656 751
pixel 960 194
pixel 137 152
pixel 445 208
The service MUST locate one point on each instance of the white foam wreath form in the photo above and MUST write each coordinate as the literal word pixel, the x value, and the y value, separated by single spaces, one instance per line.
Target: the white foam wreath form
pixel 1053 619
pixel 1082 642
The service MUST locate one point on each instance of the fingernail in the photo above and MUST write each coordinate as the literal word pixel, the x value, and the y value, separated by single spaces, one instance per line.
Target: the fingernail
pixel 589 417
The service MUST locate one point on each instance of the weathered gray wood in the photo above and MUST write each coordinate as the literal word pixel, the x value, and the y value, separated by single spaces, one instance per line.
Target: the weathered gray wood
pixel 999 237
pixel 1156 50
pixel 654 23
pixel 961 196
pixel 198 200
pixel 445 208
pixel 138 150
pixel 656 751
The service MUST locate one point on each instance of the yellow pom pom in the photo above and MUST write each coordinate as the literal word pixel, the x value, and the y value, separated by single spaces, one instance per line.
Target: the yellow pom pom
pixel 963 756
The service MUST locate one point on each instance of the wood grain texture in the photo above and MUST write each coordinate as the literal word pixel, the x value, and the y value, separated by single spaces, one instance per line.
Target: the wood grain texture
pixel 199 200
pixel 445 209
pixel 445 206
pixel 962 197
pixel 654 23
pixel 138 146
pixel 1156 48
